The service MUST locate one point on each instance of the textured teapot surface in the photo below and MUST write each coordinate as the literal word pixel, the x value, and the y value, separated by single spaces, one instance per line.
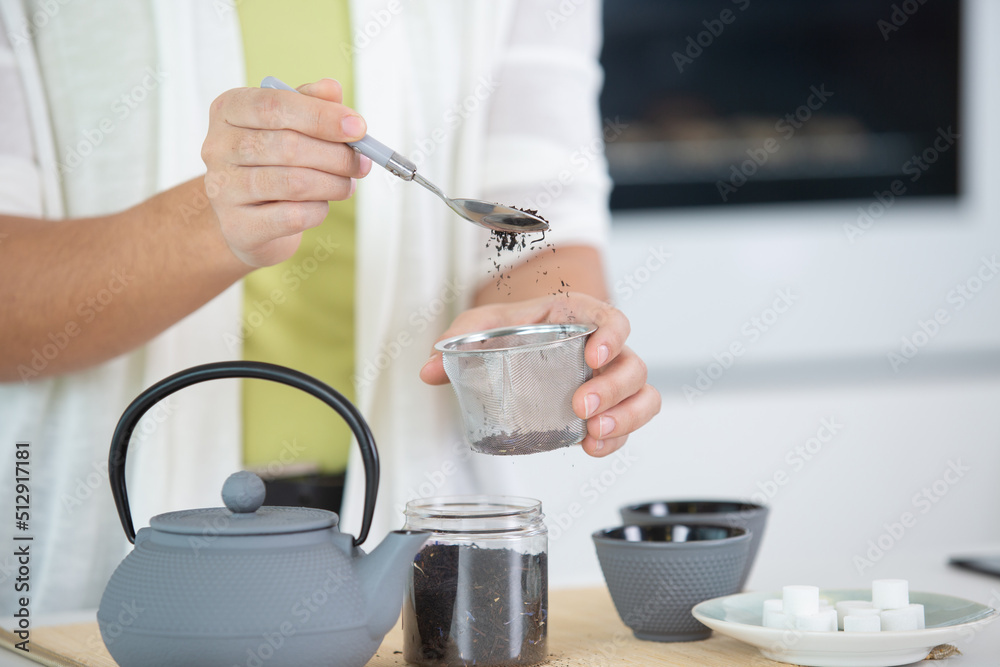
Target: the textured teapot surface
pixel 221 596
pixel 246 584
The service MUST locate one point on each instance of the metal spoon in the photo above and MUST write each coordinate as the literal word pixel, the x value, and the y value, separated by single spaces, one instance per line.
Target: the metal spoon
pixel 491 216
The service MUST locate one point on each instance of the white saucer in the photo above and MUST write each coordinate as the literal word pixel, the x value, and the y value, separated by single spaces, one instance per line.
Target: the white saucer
pixel 949 619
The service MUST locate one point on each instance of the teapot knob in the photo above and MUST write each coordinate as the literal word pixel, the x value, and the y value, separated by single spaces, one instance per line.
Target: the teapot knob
pixel 243 492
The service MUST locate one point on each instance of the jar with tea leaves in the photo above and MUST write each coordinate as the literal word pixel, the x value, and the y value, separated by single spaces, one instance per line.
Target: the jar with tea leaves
pixel 477 593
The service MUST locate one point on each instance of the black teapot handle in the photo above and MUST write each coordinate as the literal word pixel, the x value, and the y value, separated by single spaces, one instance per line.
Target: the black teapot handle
pixel 239 369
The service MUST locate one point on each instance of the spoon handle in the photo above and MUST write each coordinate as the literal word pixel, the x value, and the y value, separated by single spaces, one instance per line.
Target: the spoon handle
pixel 367 145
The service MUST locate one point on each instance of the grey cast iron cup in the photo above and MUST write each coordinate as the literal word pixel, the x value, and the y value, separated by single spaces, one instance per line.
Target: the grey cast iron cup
pixel 656 574
pixel 734 513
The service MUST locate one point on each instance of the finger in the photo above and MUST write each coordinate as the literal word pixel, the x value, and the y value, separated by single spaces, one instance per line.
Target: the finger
pixel 270 184
pixel 619 379
pixel 256 148
pixel 607 342
pixel 266 109
pixel 613 327
pixel 481 319
pixel 273 231
pixel 599 448
pixel 627 416
pixel 265 222
pixel 531 311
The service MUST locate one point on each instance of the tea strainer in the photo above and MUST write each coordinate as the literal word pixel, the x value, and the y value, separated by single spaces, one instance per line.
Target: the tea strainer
pixel 515 386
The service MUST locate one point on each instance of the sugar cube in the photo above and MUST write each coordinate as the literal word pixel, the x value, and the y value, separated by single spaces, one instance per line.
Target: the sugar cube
pixel 773 605
pixel 777 619
pixel 868 623
pixel 845 607
pixel 800 600
pixel 890 593
pixel 821 621
pixel 918 612
pixel 895 620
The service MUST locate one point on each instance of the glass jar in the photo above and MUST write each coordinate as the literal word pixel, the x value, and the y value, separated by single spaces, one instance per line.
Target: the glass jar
pixel 477 593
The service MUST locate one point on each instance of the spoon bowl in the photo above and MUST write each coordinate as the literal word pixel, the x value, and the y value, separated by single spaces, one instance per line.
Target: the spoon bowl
pixel 499 218
pixel 495 217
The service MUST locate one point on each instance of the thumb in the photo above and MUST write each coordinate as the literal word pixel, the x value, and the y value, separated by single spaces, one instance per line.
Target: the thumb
pixel 325 89
pixel 433 370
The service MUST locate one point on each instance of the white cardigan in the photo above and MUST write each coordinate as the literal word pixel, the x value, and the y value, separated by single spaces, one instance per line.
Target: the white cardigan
pixel 492 99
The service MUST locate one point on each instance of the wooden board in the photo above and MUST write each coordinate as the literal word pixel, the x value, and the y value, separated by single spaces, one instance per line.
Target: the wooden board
pixel 63 646
pixel 584 631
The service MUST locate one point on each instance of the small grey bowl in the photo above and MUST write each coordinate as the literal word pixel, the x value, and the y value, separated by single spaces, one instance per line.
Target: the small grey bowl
pixel 656 574
pixel 734 513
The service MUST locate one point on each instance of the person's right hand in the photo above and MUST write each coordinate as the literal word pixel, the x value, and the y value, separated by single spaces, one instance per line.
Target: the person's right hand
pixel 275 160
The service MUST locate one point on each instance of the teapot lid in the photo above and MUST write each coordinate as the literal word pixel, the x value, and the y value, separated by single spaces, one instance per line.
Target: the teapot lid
pixel 243 495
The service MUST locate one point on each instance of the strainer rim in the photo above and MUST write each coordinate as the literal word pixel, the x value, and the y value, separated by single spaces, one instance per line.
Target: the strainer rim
pixel 578 330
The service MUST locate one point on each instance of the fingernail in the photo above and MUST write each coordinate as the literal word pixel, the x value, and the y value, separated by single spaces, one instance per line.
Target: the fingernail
pixel 607 425
pixel 591 403
pixel 354 186
pixel 602 355
pixel 353 127
pixel 598 445
pixel 366 164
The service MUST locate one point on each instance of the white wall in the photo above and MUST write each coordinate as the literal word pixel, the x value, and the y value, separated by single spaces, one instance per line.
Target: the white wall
pixel 826 357
pixel 891 443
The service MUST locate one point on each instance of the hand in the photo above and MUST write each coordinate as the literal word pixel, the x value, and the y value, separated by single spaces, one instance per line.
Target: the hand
pixel 275 160
pixel 616 401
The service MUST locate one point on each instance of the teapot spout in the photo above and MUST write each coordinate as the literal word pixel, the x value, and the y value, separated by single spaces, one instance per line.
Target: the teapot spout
pixel 383 574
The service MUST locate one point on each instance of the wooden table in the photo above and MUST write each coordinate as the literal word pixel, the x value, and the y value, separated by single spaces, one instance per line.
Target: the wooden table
pixel 584 631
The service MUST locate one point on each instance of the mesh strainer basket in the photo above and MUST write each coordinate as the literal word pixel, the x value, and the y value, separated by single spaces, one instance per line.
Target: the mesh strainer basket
pixel 515 386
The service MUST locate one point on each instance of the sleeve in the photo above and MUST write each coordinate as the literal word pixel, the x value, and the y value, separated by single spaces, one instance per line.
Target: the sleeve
pixel 20 178
pixel 545 136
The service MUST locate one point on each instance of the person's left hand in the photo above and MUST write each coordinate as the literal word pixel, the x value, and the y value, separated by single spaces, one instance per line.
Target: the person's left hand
pixel 616 401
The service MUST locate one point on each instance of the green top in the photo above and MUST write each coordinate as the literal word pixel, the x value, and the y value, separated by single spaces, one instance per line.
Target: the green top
pixel 300 313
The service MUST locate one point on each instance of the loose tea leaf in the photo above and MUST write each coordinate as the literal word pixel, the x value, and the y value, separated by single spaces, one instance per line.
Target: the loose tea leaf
pixel 523 442
pixel 475 606
pixel 508 240
pixel 513 241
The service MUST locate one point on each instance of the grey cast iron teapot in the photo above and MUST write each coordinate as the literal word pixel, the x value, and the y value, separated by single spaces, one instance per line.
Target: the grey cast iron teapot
pixel 250 585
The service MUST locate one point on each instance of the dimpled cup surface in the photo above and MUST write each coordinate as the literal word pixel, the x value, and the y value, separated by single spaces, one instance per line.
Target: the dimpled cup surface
pixel 736 513
pixel 654 584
